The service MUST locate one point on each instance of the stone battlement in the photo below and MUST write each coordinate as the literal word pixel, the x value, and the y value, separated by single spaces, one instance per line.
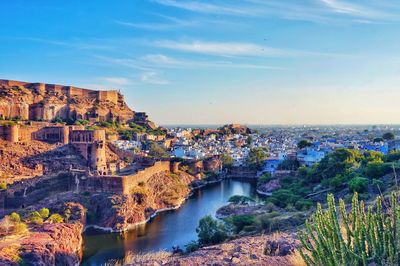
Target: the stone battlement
pixel 69 91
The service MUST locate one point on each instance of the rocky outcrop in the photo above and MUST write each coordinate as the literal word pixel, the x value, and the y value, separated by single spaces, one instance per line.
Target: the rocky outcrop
pixel 49 244
pixel 252 250
pixel 118 212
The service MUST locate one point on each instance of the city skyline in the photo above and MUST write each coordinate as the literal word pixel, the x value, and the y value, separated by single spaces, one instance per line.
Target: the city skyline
pixel 214 62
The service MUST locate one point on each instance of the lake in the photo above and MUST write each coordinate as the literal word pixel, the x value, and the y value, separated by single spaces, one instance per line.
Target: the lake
pixel 175 227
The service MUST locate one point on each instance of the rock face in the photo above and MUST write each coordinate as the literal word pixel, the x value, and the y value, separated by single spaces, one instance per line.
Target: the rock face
pixel 46 102
pixel 50 244
pixel 120 212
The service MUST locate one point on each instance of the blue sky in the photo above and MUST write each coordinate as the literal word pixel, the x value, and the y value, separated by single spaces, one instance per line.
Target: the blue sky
pixel 215 62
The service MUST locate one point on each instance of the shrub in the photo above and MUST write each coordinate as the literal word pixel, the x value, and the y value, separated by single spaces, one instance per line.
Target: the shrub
pixel 56 218
pixel 239 199
pixel 358 184
pixel 241 221
pixel 35 218
pixel 44 213
pixel 3 186
pixel 192 246
pixel 211 231
pixel 15 217
pixel 357 238
pixel 265 178
pixel 20 228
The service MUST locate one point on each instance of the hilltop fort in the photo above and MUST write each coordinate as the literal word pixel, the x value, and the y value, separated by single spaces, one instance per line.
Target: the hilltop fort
pixel 49 102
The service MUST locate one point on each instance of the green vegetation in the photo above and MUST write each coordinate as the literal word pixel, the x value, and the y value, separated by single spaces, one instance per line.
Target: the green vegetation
pixel 247 223
pixel 303 144
pixel 157 151
pixel 35 218
pixel 211 231
pixel 3 186
pixel 44 213
pixel 55 218
pixel 360 237
pixel 227 160
pixel 15 217
pixel 239 199
pixel 388 136
pixel 339 170
pixel 265 178
pixel 81 122
pixel 256 158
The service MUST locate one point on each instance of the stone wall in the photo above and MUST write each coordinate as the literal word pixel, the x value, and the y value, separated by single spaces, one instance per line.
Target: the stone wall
pixel 25 193
pixel 121 184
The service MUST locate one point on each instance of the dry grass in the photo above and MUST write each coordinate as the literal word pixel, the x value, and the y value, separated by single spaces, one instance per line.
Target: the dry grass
pixel 141 259
pixel 11 253
pixel 295 259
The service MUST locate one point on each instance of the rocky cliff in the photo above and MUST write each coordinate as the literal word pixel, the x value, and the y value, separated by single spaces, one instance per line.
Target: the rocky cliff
pixel 119 212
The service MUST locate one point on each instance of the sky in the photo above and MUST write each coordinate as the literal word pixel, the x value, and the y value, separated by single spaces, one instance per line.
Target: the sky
pixel 216 62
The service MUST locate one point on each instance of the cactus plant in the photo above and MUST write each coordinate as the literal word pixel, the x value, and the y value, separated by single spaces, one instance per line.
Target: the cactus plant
pixel 359 237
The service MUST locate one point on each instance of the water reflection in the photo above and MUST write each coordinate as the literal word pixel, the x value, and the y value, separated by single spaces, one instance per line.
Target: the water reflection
pixel 177 227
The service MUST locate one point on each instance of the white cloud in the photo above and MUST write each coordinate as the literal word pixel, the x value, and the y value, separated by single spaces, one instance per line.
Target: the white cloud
pixel 202 7
pixel 153 78
pixel 163 61
pixel 221 48
pixel 116 80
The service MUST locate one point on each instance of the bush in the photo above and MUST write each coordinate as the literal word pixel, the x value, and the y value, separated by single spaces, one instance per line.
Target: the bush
pixel 265 178
pixel 211 231
pixel 56 218
pixel 44 213
pixel 241 221
pixel 359 237
pixel 192 246
pixel 3 186
pixel 15 217
pixel 35 218
pixel 20 228
pixel 239 199
pixel 358 184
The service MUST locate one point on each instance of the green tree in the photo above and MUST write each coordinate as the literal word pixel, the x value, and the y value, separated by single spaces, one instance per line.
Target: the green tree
pixel 303 144
pixel 388 136
pixel 256 158
pixel 240 199
pixel 211 231
pixel 227 160
pixel 157 151
pixel 358 184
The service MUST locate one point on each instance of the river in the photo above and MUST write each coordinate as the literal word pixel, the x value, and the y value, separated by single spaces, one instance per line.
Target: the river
pixel 176 227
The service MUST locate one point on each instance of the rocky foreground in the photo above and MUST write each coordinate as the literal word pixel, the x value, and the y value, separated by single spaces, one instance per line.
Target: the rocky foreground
pixel 48 243
pixel 274 250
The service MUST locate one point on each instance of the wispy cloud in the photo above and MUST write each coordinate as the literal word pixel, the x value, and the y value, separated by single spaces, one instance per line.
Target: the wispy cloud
pixel 202 7
pixel 153 78
pixel 221 48
pixel 351 9
pixel 318 11
pixel 120 81
pixel 163 61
